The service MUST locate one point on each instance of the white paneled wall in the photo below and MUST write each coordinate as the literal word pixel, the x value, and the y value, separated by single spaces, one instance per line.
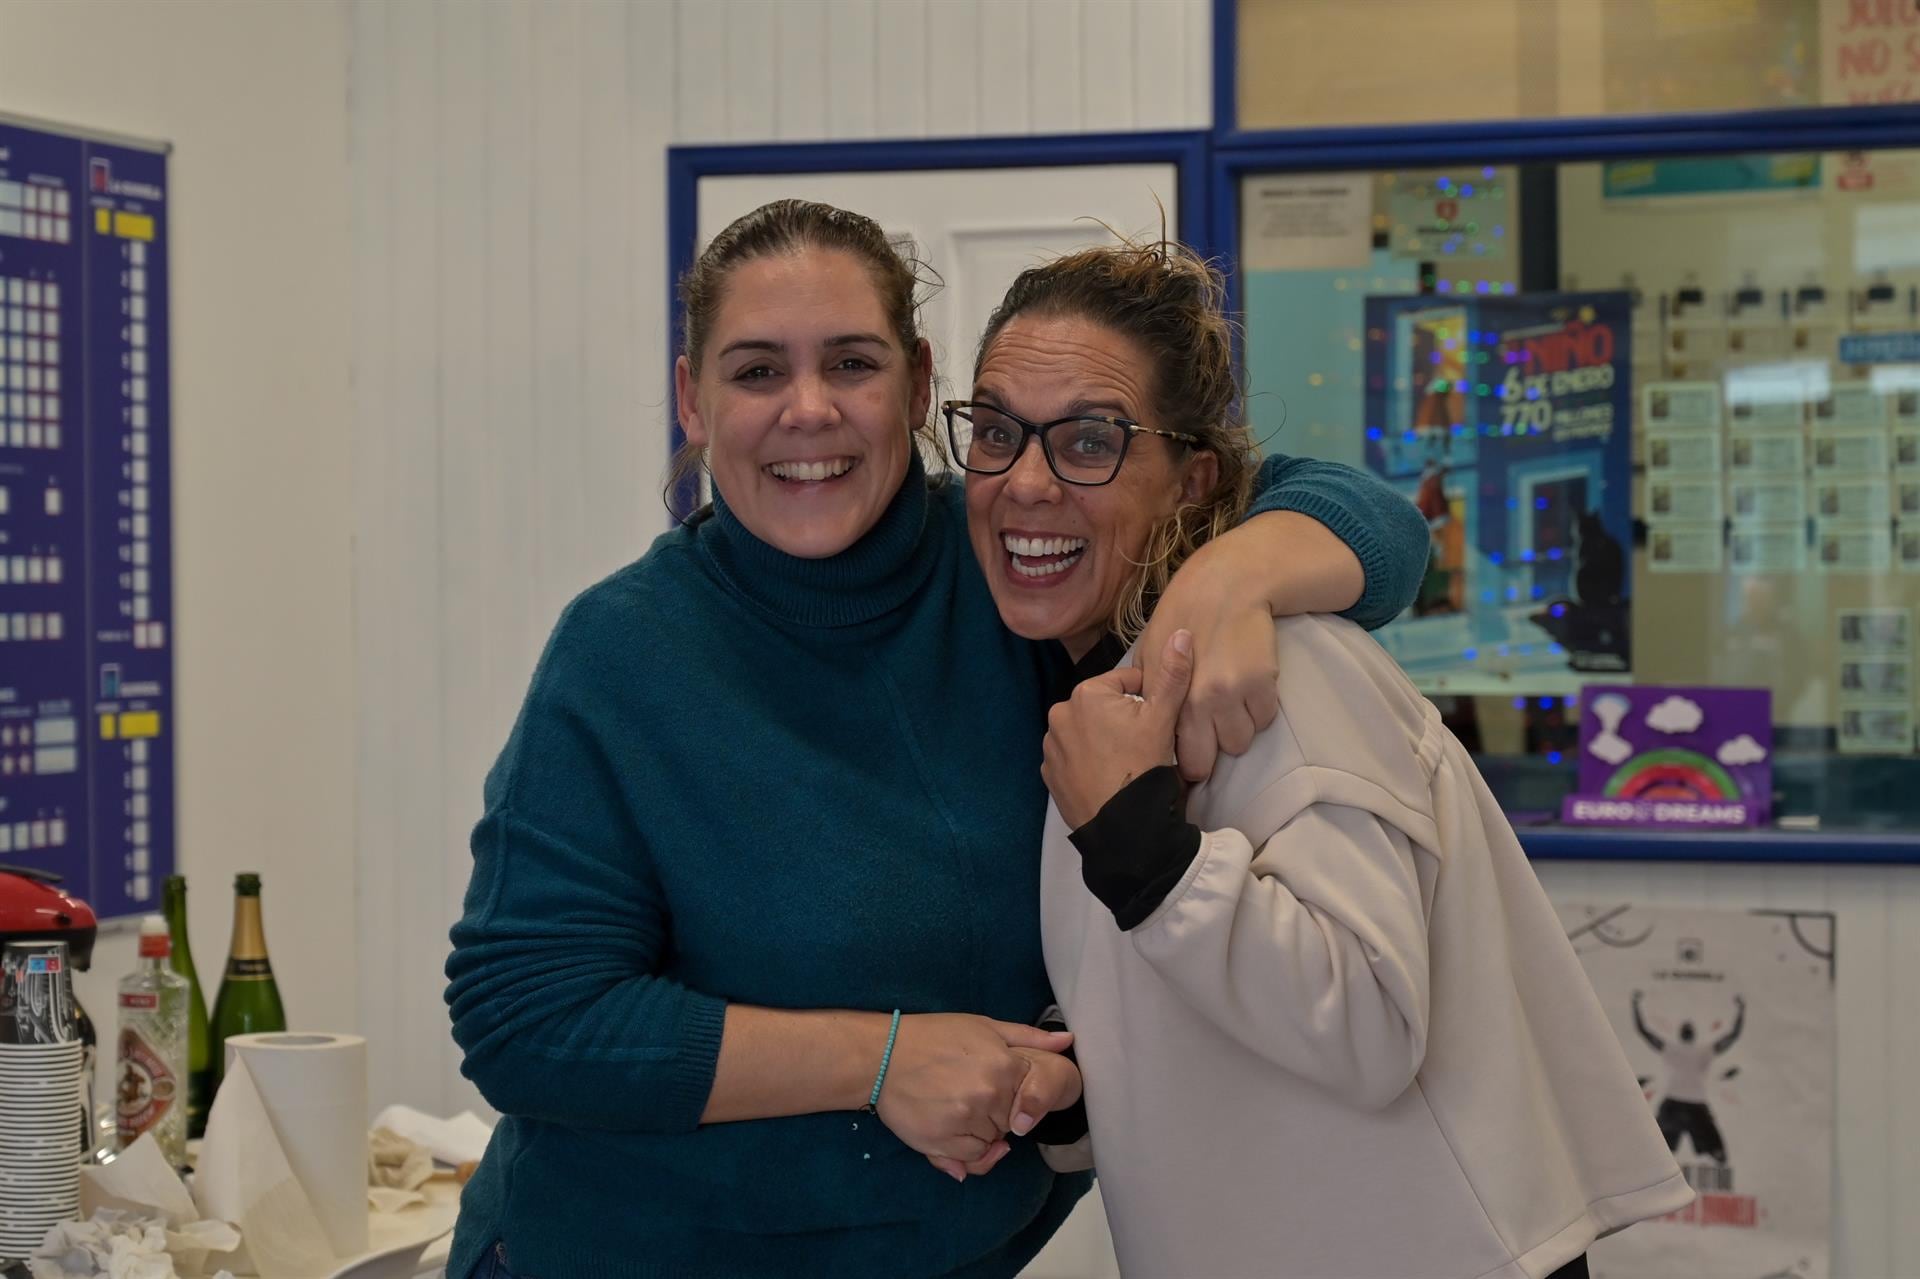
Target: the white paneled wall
pixel 510 343
pixel 509 435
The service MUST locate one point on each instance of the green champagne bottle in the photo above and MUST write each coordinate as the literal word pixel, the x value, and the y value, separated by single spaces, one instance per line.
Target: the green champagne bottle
pixel 249 1002
pixel 199 1058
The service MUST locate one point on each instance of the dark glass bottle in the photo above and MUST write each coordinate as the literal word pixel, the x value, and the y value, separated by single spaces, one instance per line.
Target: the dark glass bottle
pixel 249 1002
pixel 199 1043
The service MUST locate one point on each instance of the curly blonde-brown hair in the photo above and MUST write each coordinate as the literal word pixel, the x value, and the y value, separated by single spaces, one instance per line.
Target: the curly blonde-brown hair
pixel 1172 302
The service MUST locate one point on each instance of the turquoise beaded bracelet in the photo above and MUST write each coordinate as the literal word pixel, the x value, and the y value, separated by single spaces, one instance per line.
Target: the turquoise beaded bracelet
pixel 886 1059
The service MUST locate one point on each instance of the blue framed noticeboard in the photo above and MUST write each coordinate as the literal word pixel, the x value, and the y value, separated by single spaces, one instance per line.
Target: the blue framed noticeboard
pixel 86 579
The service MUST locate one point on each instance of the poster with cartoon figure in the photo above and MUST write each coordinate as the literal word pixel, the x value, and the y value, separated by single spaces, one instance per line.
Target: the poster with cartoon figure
pixel 1728 1020
pixel 1506 420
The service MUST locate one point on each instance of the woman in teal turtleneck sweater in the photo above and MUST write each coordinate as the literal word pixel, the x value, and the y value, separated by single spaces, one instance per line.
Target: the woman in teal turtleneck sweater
pixel 780 778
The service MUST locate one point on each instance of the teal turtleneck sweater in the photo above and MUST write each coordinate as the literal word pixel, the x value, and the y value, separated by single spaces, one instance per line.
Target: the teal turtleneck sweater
pixel 741 776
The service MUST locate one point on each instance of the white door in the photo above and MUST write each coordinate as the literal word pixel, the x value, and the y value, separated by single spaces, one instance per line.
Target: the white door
pixel 979 228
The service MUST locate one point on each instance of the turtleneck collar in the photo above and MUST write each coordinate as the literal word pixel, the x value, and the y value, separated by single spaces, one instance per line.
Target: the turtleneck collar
pixel 869 579
pixel 1100 659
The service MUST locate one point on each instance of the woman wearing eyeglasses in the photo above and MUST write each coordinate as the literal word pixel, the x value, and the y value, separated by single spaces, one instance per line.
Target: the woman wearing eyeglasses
pixel 1328 1023
pixel 752 938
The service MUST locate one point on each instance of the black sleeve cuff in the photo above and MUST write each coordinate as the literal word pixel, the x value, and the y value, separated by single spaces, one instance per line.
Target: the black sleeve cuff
pixel 1139 845
pixel 1060 1127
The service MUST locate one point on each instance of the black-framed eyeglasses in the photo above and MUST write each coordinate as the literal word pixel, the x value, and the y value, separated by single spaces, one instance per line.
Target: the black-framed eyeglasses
pixel 1086 449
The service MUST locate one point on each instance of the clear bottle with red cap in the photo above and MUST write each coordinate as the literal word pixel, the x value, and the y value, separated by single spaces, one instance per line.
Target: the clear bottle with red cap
pixel 150 1087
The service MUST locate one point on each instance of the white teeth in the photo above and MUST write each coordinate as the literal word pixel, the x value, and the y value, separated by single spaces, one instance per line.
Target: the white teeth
pixel 1022 549
pixel 1045 570
pixel 811 470
pixel 1041 545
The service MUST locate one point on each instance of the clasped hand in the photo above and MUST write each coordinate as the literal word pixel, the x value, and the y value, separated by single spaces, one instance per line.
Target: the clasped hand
pixel 1115 727
pixel 1232 694
pixel 958 1084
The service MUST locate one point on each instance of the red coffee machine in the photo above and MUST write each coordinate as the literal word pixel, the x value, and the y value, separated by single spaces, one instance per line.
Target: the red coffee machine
pixel 32 908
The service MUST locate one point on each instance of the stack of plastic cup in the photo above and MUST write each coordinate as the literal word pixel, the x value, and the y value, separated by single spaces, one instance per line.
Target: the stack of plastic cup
pixel 40 1095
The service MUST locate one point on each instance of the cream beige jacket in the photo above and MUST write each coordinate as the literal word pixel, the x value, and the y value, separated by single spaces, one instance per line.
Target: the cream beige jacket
pixel 1353 1042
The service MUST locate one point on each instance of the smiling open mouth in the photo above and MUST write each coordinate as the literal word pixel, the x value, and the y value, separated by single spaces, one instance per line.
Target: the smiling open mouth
pixel 1036 557
pixel 811 472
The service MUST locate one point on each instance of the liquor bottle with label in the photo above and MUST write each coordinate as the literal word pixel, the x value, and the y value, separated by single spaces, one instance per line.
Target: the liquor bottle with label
pixel 249 1000
pixel 151 1084
pixel 199 1073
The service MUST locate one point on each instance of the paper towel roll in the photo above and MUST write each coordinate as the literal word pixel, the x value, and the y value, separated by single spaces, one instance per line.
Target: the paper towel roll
pixel 314 1088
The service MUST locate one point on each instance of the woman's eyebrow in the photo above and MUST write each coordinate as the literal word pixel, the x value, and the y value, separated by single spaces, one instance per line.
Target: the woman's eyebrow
pixel 780 348
pixel 1078 408
pixel 1112 408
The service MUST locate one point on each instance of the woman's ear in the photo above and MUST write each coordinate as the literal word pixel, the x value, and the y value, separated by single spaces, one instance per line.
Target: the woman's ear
pixel 922 401
pixel 686 403
pixel 1203 473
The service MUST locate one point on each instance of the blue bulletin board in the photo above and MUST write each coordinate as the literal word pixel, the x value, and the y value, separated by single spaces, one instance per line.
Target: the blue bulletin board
pixel 86 578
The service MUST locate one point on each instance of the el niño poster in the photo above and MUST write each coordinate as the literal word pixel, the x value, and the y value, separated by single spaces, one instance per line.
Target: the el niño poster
pixel 1505 420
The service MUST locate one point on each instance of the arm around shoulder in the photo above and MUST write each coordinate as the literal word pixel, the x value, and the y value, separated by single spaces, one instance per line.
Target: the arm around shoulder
pixel 1378 525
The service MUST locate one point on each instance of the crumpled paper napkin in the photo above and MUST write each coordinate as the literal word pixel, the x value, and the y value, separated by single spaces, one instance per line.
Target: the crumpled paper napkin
pixel 117 1244
pixel 396 1169
pixel 459 1140
pixel 141 1182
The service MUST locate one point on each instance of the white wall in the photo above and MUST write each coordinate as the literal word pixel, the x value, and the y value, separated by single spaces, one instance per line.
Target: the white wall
pixel 250 95
pixel 510 344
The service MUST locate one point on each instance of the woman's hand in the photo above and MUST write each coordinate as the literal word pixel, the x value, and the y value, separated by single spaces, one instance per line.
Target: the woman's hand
pixel 1227 593
pixel 954 1080
pixel 1115 727
pixel 1052 1083
pixel 1233 694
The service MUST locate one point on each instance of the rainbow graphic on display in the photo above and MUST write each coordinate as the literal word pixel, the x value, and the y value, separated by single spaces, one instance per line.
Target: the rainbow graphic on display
pixel 1672 774
pixel 1666 756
